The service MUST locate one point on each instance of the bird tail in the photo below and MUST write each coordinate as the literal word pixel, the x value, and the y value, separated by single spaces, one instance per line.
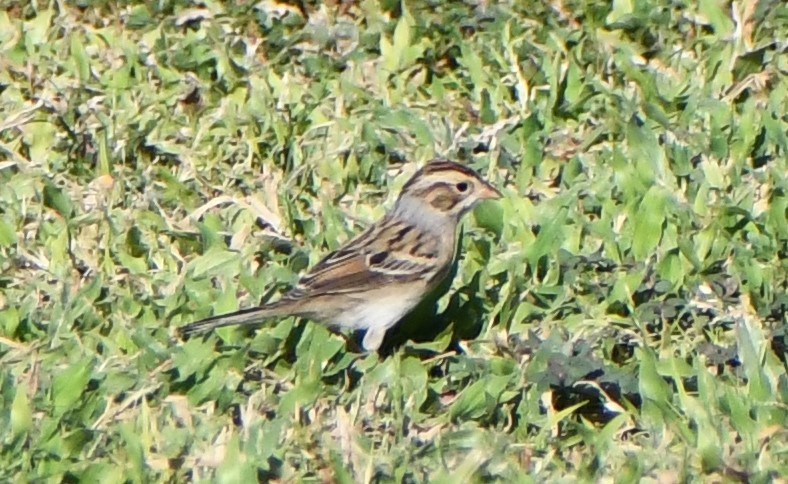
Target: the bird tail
pixel 242 317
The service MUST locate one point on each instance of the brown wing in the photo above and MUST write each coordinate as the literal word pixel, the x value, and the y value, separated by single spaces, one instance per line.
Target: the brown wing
pixel 375 258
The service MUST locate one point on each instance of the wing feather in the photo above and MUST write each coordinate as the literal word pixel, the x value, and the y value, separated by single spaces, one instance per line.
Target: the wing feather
pixel 377 257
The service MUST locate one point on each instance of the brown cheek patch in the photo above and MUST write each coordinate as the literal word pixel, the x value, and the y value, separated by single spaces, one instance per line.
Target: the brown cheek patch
pixel 443 201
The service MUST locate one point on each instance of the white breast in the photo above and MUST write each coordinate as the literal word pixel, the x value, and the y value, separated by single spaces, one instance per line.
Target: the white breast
pixel 378 312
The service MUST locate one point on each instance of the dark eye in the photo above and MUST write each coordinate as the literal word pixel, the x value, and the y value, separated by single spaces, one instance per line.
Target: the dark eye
pixel 462 187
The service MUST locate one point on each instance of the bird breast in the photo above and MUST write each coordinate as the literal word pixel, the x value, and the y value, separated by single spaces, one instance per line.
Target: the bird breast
pixel 380 310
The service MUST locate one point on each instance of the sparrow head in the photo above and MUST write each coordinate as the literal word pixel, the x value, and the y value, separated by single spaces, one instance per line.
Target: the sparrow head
pixel 446 187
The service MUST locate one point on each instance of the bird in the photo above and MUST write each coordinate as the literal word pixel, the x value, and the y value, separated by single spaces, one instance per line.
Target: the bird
pixel 375 279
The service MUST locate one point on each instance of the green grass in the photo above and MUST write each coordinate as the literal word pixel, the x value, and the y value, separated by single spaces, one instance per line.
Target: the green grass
pixel 620 314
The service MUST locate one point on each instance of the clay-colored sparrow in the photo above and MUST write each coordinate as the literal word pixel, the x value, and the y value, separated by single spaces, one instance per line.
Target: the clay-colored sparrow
pixel 376 278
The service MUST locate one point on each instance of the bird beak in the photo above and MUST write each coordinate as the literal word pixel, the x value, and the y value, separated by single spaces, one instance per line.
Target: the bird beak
pixel 489 192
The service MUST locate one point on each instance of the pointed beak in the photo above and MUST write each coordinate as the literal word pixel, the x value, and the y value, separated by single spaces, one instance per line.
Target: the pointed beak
pixel 489 192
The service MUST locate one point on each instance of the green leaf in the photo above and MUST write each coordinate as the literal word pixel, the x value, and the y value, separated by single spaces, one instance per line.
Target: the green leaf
pixel 303 394
pixel 235 467
pixel 489 215
pixel 7 30
pixel 718 16
pixel 648 223
pixel 135 265
pixel 21 413
pixel 69 385
pixel 401 40
pixel 473 66
pixel 7 234
pixel 646 152
pixel 487 114
pixel 57 200
pixel 751 345
pixel 777 214
pixel 471 403
pixel 652 385
pixel 549 238
pixel 213 261
pixel 80 57
pixel 9 320
pixel 36 29
pixel 413 378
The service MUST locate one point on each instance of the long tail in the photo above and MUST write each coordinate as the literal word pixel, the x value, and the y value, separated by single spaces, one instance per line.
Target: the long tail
pixel 242 317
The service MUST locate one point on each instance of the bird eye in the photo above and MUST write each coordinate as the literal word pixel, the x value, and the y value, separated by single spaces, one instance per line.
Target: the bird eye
pixel 462 187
